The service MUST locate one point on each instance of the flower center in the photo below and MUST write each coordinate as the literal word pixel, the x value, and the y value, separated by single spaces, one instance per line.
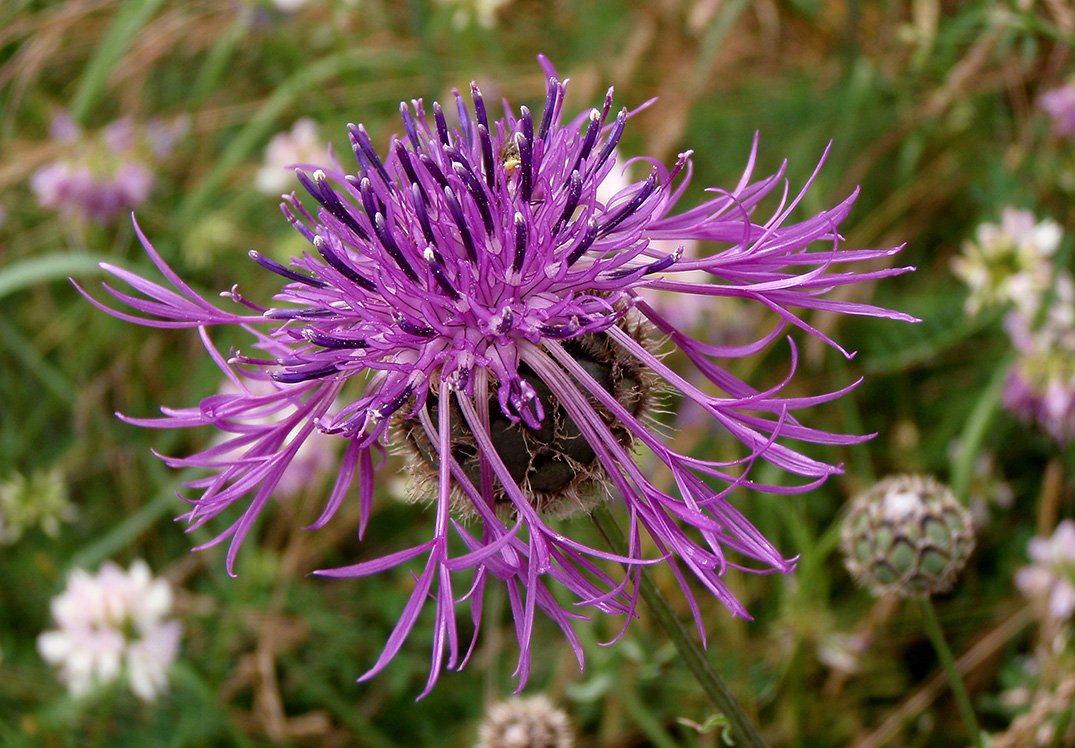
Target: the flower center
pixel 554 465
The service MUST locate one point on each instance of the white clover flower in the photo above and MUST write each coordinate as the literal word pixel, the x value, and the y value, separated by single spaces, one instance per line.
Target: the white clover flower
pixel 842 652
pixel 1059 103
pixel 1009 263
pixel 482 12
pixel 102 175
pixel 1041 384
pixel 109 625
pixel 299 145
pixel 289 6
pixel 1050 578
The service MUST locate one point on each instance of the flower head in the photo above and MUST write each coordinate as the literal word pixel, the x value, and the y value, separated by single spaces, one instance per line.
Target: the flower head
pixel 525 723
pixel 471 300
pixel 1050 578
pixel 99 177
pixel 1041 385
pixel 1059 103
pixel 477 12
pixel 907 536
pixel 39 500
pixel 111 625
pixel 285 150
pixel 1009 263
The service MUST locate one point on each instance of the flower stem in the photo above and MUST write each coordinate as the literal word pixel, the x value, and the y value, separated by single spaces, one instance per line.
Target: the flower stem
pixel 743 728
pixel 959 690
pixel 976 429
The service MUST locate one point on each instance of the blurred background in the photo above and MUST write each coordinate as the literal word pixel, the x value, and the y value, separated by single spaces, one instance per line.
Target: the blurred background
pixel 956 120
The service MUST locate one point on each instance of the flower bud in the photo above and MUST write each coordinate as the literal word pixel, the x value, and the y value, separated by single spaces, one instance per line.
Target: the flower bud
pixel 525 723
pixel 907 536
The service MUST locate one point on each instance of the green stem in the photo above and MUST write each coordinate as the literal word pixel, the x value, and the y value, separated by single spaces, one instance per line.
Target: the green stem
pixel 639 713
pixel 693 655
pixel 948 662
pixel 975 430
pixel 131 17
pixel 216 61
pixel 103 717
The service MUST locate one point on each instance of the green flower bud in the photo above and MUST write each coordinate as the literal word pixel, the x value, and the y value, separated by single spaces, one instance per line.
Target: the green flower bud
pixel 37 501
pixel 907 536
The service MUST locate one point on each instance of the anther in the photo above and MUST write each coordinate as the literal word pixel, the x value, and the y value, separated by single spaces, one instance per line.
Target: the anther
pixel 442 124
pixel 488 165
pixel 483 135
pixel 360 142
pixel 681 161
pixel 574 193
pixel 640 197
pixel 436 268
pixel 528 122
pixel 293 376
pixel 370 202
pixel 314 312
pixel 280 270
pixel 331 341
pixel 287 207
pixel 610 143
pixel 654 267
pixel 433 169
pixel 585 242
pixel 461 223
pixel 404 159
pixel 341 266
pixel 474 187
pixel 421 331
pixel 418 198
pixel 520 242
pixel 526 165
pixel 465 123
pixel 390 246
pixel 590 138
pixel 552 99
pixel 322 191
pixel 408 125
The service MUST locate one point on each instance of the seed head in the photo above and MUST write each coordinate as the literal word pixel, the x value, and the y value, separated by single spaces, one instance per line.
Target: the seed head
pixel 907 536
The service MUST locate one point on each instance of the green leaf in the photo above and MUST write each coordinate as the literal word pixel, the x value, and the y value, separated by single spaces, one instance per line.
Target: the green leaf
pixel 130 19
pixel 44 268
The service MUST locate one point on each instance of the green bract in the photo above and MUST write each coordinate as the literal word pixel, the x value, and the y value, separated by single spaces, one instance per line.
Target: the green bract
pixel 907 536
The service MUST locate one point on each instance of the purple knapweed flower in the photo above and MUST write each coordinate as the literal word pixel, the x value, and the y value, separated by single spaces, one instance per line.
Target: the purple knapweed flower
pixel 469 301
